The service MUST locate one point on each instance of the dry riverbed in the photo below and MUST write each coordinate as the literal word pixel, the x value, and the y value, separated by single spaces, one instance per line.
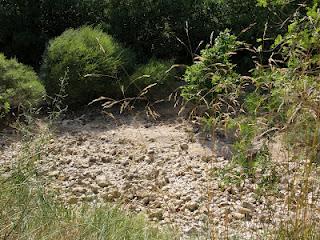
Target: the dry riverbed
pixel 167 170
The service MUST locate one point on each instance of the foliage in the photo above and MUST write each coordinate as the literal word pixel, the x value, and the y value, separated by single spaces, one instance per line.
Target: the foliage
pixel 301 43
pixel 298 229
pixel 159 75
pixel 19 86
pixel 289 97
pixel 94 63
pixel 152 28
pixel 300 48
pixel 28 212
pixel 279 101
pixel 159 27
pixel 26 26
pixel 212 80
pixel 272 100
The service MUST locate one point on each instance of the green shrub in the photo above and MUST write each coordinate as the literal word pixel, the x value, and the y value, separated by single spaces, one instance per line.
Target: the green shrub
pixel 271 100
pixel 150 27
pixel 212 77
pixel 94 63
pixel 158 74
pixel 27 26
pixel 19 85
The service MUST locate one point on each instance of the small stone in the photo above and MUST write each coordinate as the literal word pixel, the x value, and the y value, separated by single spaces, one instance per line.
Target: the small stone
pixel 224 204
pixel 146 201
pixel 70 151
pixel 95 188
pixel 6 175
pixel 149 159
pixel 72 200
pixel 106 159
pixel 66 161
pixel 184 147
pixel 206 159
pixel 62 178
pixel 54 174
pixel 238 216
pixel 180 173
pixel 79 190
pixel 92 160
pixel 197 171
pixel 156 215
pixel 248 205
pixel 190 230
pixel 112 195
pixel 141 158
pixel 85 164
pixel 245 211
pixel 102 181
pixel 151 151
pixel 125 162
pixel 130 196
pixel 186 198
pixel 147 125
pixel 204 210
pixel 192 206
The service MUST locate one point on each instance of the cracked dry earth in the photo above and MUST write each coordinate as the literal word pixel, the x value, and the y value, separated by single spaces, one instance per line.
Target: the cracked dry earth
pixel 166 170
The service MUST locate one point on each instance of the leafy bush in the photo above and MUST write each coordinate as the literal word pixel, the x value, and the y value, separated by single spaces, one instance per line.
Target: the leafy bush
pixel 150 27
pixel 212 77
pixel 27 26
pixel 154 26
pixel 281 98
pixel 19 85
pixel 94 63
pixel 159 75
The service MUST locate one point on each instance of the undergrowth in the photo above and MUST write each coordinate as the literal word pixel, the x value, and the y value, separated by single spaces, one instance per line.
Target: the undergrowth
pixel 275 102
pixel 29 212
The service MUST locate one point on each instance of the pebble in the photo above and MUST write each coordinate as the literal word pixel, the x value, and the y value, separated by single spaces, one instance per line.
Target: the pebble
pixel 149 159
pixel 102 181
pixel 238 216
pixel 106 159
pixel 192 206
pixel 245 211
pixel 79 190
pixel 184 147
pixel 164 175
pixel 249 205
pixel 54 174
pixel 156 214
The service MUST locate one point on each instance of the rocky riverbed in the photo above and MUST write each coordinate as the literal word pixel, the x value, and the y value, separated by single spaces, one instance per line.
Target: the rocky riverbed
pixel 167 170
